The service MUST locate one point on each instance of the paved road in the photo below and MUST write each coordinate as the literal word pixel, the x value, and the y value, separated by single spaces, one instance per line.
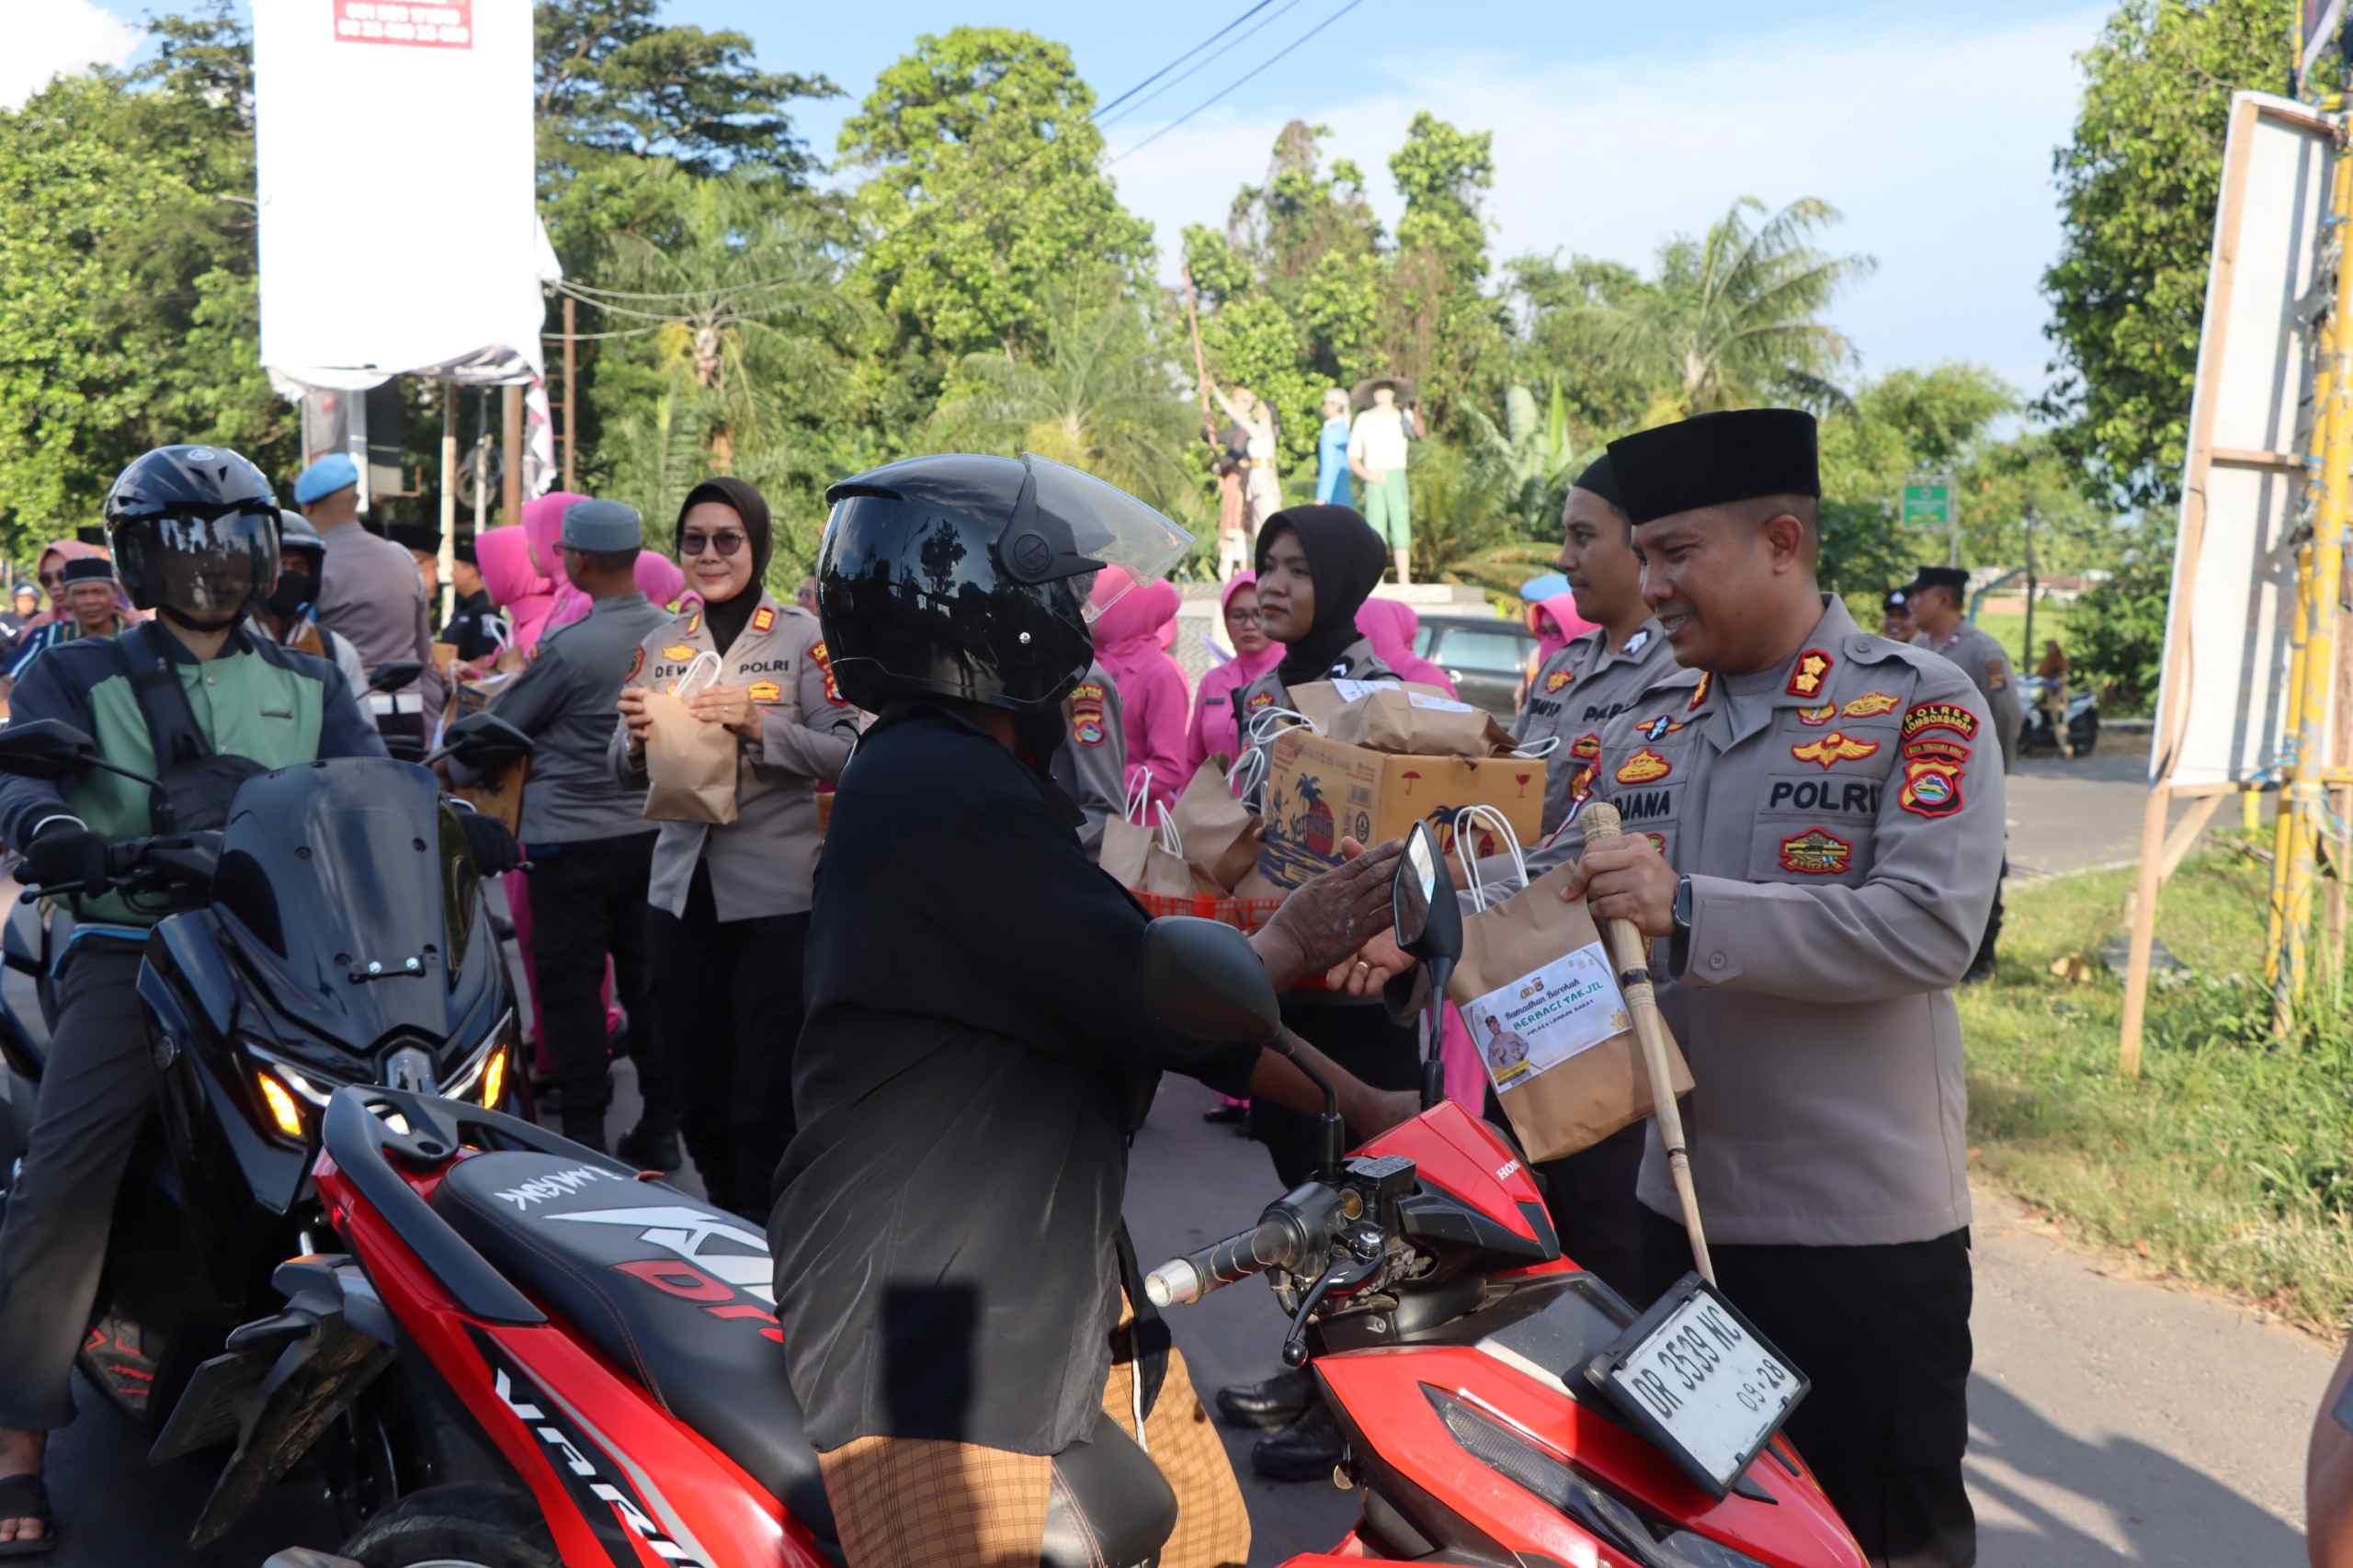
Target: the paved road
pixel 2074 816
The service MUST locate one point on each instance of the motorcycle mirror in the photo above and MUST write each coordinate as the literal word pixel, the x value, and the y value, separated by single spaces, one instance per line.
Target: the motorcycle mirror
pixel 1421 901
pixel 47 749
pixel 484 742
pixel 1203 979
pixel 395 676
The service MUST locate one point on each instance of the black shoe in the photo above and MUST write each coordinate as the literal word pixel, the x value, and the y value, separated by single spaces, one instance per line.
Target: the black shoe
pixel 1279 1401
pixel 1226 1113
pixel 1307 1449
pixel 649 1147
pixel 586 1128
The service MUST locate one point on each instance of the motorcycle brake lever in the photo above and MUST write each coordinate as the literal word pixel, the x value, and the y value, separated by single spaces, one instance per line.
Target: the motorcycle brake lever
pixel 1295 1343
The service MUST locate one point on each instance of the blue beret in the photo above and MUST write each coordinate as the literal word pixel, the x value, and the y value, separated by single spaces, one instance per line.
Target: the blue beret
pixel 330 473
pixel 602 525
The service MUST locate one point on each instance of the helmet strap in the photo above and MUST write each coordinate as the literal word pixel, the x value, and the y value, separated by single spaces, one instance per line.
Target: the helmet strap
pixel 180 617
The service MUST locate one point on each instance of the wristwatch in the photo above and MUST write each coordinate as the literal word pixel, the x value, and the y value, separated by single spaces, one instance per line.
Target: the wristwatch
pixel 1683 906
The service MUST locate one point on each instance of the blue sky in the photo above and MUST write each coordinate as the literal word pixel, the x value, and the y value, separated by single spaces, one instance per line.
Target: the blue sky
pixel 1930 126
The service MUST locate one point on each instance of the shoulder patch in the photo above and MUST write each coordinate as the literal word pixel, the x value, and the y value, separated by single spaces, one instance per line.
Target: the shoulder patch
pixel 1925 716
pixel 1931 784
pixel 825 662
pixel 1814 667
pixel 1086 725
pixel 636 665
pixel 763 618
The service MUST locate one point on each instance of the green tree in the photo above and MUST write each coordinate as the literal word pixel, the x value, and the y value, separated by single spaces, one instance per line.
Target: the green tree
pixel 2116 632
pixel 1437 324
pixel 2137 187
pixel 985 189
pixel 1571 336
pixel 1096 396
pixel 1735 319
pixel 1905 423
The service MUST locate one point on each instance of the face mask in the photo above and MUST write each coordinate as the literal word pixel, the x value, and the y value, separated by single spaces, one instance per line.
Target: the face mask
pixel 290 593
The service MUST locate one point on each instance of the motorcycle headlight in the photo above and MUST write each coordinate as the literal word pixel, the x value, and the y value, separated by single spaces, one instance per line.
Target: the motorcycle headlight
pixel 279 1104
pixel 481 1077
pixel 1594 1510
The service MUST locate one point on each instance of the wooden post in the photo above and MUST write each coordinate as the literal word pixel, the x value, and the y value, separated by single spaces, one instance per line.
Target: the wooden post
pixel 510 421
pixel 1201 363
pixel 571 396
pixel 448 489
pixel 2144 929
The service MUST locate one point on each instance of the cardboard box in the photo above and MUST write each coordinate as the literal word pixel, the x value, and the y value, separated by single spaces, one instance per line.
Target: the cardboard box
pixel 1321 790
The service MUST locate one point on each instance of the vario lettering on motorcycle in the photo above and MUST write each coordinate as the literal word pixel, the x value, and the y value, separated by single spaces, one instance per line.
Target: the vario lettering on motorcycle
pixel 576 1462
pixel 555 1183
pixel 693 1235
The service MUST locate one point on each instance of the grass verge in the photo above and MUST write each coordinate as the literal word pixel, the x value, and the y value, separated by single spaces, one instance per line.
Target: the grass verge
pixel 2230 1161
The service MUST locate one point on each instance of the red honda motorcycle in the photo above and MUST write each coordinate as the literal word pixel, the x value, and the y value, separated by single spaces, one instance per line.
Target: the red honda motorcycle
pixel 536 1357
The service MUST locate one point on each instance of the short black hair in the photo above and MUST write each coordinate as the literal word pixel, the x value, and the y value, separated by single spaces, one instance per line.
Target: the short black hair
pixel 606 560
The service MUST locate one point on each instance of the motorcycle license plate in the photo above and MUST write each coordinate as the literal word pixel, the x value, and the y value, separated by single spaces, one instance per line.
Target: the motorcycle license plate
pixel 1696 1377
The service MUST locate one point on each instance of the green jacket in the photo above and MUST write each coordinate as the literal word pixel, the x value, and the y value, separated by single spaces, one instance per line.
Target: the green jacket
pixel 257 699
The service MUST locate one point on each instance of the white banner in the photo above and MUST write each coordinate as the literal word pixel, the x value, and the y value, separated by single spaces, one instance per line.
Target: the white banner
pixel 395 151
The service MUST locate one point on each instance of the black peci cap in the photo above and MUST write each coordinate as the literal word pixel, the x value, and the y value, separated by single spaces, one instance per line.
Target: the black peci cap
pixel 1715 460
pixel 90 569
pixel 1953 577
pixel 1601 479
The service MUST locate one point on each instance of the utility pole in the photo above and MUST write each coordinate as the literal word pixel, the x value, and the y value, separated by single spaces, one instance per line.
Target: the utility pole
pixel 2027 651
pixel 571 394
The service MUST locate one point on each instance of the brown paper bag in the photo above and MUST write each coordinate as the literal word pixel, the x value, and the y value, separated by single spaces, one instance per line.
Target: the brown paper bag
pixel 1320 701
pixel 1417 724
pixel 1541 999
pixel 1125 846
pixel 500 798
pixel 1218 834
pixel 1165 872
pixel 689 765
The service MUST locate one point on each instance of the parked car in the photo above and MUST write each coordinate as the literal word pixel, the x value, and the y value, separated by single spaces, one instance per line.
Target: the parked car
pixel 1485 655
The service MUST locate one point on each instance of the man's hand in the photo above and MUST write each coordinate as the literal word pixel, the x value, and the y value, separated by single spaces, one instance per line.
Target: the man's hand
pixel 633 714
pixel 1328 919
pixel 1625 880
pixel 64 850
pixel 1374 966
pixel 494 850
pixel 728 705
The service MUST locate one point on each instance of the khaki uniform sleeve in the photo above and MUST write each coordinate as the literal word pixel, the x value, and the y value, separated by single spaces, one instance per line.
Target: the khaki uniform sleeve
pixel 1099 770
pixel 1912 923
pixel 813 737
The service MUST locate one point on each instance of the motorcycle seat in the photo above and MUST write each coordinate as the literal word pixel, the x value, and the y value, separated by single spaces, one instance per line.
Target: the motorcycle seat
pixel 677 1292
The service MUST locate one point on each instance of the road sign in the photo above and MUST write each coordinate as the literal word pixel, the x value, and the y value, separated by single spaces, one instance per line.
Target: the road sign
pixel 1928 504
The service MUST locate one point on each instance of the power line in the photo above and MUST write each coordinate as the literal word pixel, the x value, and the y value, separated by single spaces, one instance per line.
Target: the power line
pixel 1106 117
pixel 1263 65
pixel 1164 71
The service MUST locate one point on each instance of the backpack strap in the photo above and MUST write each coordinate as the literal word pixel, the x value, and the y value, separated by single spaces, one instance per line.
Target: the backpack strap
pixel 173 734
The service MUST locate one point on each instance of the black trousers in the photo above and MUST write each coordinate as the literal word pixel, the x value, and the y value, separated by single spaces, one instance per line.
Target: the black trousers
pixel 730 1017
pixel 1985 958
pixel 1360 1038
pixel 1884 1333
pixel 95 1093
pixel 589 900
pixel 1590 1195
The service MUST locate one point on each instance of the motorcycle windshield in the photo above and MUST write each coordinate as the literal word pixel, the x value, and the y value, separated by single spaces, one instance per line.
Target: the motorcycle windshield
pixel 346 888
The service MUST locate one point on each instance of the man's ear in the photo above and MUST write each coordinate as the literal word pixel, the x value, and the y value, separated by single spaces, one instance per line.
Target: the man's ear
pixel 1785 537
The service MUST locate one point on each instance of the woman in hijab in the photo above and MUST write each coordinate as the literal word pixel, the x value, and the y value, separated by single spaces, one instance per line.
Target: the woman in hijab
pixel 543 527
pixel 1390 626
pixel 50 569
pixel 503 557
pixel 1317 565
pixel 731 903
pixel 1151 688
pixel 1214 732
pixel 659 578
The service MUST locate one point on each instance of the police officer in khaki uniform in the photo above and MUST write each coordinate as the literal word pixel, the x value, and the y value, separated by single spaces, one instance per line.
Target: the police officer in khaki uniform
pixel 1572 696
pixel 1935 598
pixel 731 904
pixel 1831 831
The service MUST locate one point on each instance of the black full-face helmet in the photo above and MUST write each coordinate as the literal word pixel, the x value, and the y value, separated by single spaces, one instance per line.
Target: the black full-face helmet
pixel 968 576
pixel 194 532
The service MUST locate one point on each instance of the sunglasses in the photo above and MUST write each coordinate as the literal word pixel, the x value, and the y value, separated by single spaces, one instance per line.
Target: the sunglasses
pixel 50 579
pixel 1244 616
pixel 692 542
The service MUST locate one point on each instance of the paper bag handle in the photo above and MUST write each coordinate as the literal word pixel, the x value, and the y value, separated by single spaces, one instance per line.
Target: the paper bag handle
pixel 1249 771
pixel 1501 823
pixel 1262 723
pixel 1138 807
pixel 1537 749
pixel 1170 839
pixel 700 676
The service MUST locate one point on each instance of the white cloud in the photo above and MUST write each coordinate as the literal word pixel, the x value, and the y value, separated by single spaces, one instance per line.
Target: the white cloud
pixel 1937 147
pixel 49 38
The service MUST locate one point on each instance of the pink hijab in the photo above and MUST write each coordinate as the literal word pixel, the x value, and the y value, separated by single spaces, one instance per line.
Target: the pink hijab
pixel 67 549
pixel 1390 627
pixel 1556 624
pixel 543 526
pixel 502 556
pixel 659 578
pixel 1213 729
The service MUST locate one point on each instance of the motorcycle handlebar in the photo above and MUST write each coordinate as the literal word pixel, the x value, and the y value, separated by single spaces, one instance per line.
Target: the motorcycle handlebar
pixel 1273 1242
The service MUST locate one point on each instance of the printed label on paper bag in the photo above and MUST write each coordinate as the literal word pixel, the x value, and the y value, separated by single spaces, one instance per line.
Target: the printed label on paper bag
pixel 1541 1019
pixel 1358 690
pixel 1441 704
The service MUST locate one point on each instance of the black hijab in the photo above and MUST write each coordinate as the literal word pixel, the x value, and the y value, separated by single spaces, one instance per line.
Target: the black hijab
pixel 1345 558
pixel 727 618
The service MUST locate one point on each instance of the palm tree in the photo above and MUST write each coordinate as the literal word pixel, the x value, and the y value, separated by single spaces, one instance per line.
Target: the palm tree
pixel 1096 397
pixel 1465 525
pixel 1732 320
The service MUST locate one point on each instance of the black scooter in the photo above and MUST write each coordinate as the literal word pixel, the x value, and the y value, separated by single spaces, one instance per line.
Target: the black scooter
pixel 333 932
pixel 2083 720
